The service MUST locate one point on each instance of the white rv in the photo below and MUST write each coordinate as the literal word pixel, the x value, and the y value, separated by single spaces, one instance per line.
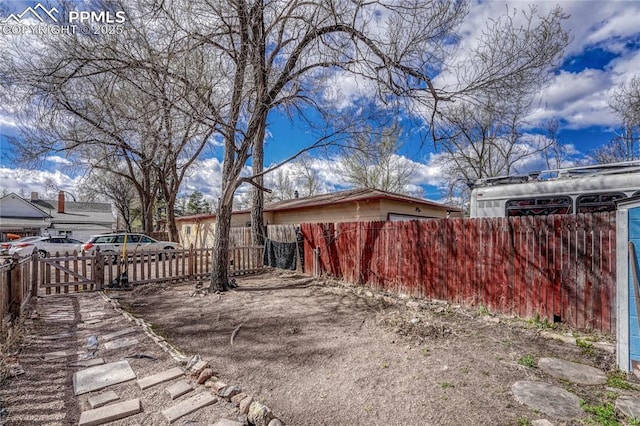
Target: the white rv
pixel 584 189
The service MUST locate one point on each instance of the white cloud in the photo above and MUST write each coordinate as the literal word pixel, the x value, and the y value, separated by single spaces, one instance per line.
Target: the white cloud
pixel 579 99
pixel 59 160
pixel 24 182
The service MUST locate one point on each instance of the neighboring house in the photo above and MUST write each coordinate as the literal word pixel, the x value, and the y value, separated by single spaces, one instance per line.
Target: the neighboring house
pixel 355 205
pixel 53 217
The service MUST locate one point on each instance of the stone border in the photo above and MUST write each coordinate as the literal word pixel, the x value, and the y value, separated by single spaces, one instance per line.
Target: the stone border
pixel 252 411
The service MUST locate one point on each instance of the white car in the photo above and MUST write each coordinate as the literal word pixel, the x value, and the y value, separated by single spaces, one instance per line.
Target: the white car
pixel 45 246
pixel 111 244
pixel 6 246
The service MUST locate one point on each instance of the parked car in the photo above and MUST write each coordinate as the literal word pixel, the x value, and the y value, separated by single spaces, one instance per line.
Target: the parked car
pixel 111 244
pixel 6 246
pixel 45 246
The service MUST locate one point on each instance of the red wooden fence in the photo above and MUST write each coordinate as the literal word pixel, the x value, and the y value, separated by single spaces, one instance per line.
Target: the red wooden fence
pixel 560 267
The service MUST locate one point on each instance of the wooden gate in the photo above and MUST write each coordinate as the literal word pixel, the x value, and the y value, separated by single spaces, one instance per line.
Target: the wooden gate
pixel 61 274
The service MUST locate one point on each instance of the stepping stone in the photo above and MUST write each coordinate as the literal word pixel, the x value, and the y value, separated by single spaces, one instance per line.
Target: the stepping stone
pixel 227 422
pixel 88 363
pixel 156 379
pixel 110 413
pixel 99 400
pixel 120 333
pixel 58 336
pixel 121 343
pixel 629 406
pixel 572 371
pixel 562 337
pixel 188 406
pixel 101 376
pixel 548 399
pixel 50 356
pixel 176 390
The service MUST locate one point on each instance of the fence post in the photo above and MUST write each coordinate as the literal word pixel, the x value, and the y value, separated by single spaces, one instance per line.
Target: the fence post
pixel 15 286
pixel 98 269
pixel 34 274
pixel 191 261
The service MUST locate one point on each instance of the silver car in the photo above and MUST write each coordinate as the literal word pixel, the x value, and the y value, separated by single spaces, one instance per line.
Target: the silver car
pixel 45 246
pixel 111 244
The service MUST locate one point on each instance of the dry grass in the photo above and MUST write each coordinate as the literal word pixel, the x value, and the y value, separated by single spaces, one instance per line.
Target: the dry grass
pixel 11 337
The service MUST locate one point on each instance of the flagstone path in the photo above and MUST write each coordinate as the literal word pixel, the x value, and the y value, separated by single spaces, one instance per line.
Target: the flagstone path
pixel 87 362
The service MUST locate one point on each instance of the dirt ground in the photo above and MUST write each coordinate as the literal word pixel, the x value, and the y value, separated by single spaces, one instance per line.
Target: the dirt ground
pixel 323 353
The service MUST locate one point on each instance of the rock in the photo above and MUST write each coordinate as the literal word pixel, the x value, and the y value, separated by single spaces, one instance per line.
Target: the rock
pixel 205 375
pixel 605 346
pixel 236 399
pixel 245 404
pixel 629 406
pixel 541 422
pixel 198 368
pixel 412 304
pixel 414 321
pixel 572 371
pixel 259 414
pixel 548 399
pixel 217 386
pixel 211 382
pixel 562 337
pixel 228 391
pixel 227 422
pixel 276 422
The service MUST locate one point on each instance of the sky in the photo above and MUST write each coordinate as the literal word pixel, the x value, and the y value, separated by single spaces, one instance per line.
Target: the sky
pixel 604 53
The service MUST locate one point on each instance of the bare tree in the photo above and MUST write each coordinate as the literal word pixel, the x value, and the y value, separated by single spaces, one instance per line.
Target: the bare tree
pixel 625 101
pixel 299 177
pixel 103 185
pixel 125 99
pixel 484 141
pixel 371 160
pixel 554 151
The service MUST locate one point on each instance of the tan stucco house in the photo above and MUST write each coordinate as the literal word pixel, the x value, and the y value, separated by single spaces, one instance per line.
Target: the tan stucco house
pixel 355 205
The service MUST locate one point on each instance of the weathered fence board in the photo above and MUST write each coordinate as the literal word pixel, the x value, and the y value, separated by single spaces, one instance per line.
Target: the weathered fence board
pixel 558 268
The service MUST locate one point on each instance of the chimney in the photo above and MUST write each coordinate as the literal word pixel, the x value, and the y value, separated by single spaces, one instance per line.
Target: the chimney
pixel 34 196
pixel 61 202
pixel 295 194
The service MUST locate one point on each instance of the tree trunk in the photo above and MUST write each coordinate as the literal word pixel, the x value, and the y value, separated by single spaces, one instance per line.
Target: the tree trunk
pixel 171 222
pixel 219 276
pixel 257 195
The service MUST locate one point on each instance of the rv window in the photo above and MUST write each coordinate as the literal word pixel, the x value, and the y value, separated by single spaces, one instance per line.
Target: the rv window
pixel 593 203
pixel 538 206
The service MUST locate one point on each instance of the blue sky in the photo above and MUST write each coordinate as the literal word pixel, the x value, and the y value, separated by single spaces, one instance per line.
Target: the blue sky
pixel 604 52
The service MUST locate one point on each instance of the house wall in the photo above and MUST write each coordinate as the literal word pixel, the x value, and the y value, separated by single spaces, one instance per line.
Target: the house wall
pixel 201 234
pixel 402 208
pixel 336 213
